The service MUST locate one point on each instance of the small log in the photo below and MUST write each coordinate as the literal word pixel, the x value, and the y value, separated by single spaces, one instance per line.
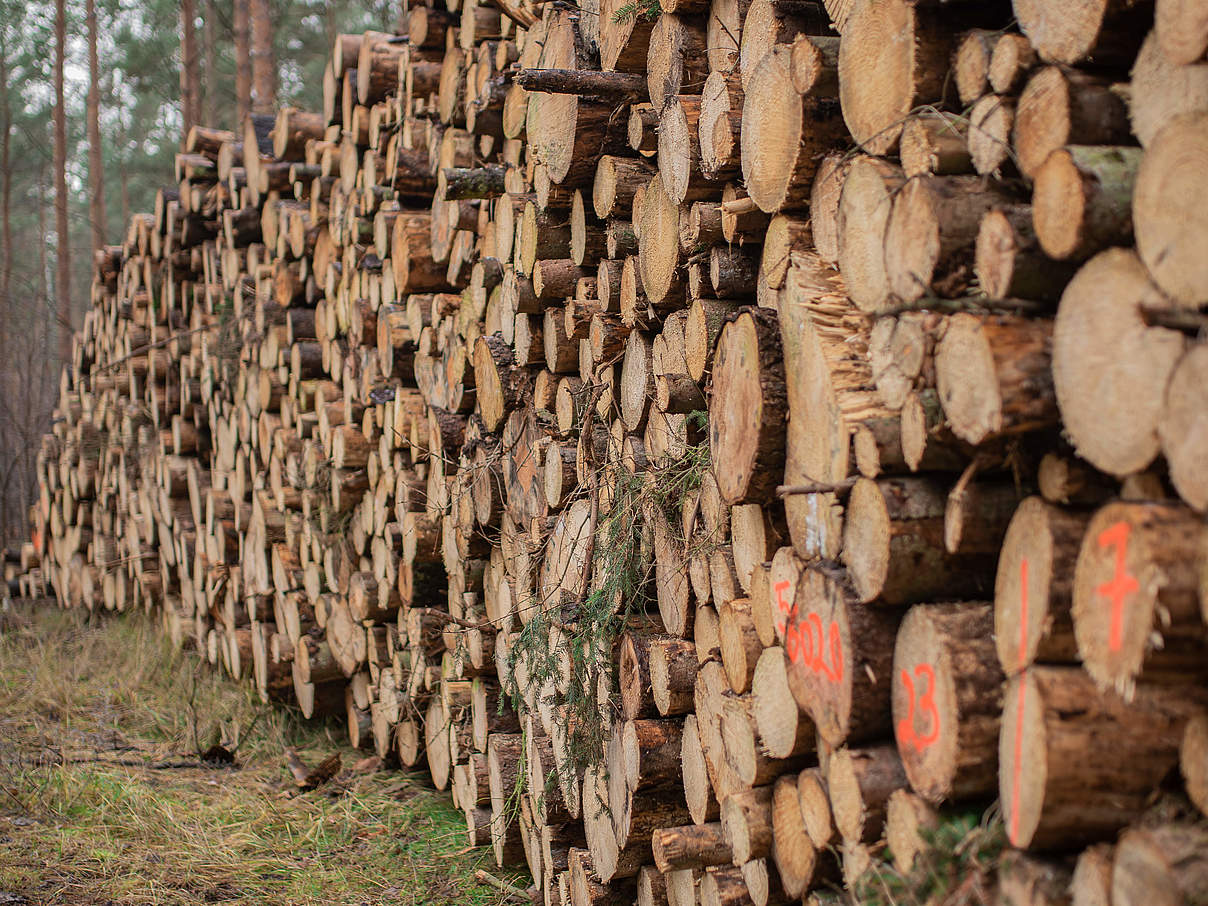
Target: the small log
pixel 1081 201
pixel 994 375
pixel 1034 588
pixel 748 406
pixel 860 782
pixel 1066 107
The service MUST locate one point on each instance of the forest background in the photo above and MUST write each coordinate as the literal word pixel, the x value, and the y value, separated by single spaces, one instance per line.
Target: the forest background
pixel 95 98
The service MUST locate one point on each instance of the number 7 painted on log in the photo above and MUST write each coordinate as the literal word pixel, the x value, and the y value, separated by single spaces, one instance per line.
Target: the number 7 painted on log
pixel 1122 584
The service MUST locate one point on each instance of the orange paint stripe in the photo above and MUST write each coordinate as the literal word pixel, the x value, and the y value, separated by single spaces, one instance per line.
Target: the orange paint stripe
pixel 1017 766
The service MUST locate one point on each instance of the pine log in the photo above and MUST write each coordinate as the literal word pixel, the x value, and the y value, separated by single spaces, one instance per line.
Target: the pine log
pixel 692 846
pixel 1106 31
pixel 935 143
pixel 909 821
pixel 1066 107
pixel 1162 863
pixel 1136 593
pixel 1076 764
pixel 1009 261
pixel 1081 202
pixel 994 375
pixel 784 136
pixel 865 206
pixel 1110 369
pixel 893 56
pixel 893 544
pixel 1091 883
pixel 931 232
pixel 1162 90
pixel 839 657
pixel 947 699
pixel 1033 592
pixel 1181 427
pixel 860 782
pixel 747 427
pixel 1165 220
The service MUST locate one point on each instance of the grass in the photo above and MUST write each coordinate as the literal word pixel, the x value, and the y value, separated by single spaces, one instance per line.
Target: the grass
pixel 96 717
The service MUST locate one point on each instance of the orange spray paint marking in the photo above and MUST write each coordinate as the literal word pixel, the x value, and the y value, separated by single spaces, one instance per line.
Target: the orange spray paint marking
pixel 1122 584
pixel 1017 764
pixel 806 643
pixel 926 704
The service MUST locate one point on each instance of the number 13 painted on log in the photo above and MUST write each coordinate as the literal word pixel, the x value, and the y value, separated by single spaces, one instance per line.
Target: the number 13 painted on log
pixel 926 706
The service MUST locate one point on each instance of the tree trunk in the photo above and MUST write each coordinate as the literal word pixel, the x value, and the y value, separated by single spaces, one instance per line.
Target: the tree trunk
pixel 190 69
pixel 241 32
pixel 264 60
pixel 96 175
pixel 209 38
pixel 62 228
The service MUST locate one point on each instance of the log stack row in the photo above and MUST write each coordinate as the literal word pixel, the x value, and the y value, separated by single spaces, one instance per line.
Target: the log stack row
pixel 723 442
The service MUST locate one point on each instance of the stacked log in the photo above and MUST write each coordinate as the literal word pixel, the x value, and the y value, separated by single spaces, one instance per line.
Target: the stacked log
pixel 708 477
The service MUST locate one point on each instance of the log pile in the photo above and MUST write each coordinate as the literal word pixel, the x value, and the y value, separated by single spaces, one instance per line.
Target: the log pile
pixel 714 441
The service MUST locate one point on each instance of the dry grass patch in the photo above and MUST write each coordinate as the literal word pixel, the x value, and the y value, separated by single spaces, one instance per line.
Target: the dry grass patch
pixel 103 798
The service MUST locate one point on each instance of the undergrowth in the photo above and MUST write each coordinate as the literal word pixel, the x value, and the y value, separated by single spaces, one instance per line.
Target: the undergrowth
pixel 620 588
pixel 955 868
pixel 635 9
pixel 103 798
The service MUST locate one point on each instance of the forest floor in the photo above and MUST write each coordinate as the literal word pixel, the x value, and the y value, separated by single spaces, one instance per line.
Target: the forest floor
pixel 104 800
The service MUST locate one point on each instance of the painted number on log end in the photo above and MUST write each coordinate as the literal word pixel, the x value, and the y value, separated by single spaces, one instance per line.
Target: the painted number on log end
pixel 821 652
pixel 920 700
pixel 1122 584
pixel 783 611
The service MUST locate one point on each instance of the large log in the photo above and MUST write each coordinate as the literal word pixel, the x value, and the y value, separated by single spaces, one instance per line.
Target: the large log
pixel 1077 764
